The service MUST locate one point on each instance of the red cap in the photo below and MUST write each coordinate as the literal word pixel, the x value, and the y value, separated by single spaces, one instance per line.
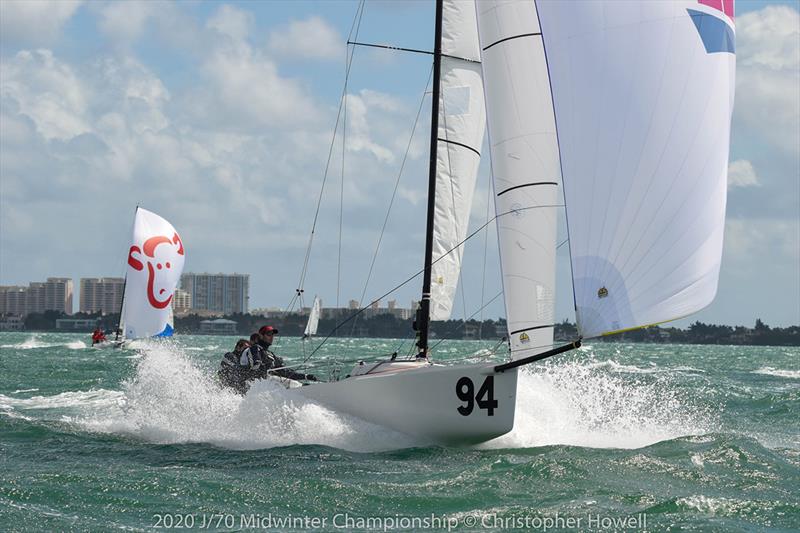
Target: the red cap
pixel 267 330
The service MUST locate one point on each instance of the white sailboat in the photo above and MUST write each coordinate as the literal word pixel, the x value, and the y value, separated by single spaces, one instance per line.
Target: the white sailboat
pixel 628 105
pixel 154 266
pixel 313 319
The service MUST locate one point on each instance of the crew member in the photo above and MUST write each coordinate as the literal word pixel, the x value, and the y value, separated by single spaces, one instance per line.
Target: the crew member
pixel 231 373
pixel 98 336
pixel 262 362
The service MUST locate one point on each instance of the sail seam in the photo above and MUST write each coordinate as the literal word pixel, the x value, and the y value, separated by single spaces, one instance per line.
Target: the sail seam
pixel 527 185
pixel 512 37
pixel 459 144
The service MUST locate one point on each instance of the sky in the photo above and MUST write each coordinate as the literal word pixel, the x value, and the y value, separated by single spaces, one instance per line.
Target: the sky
pixel 219 116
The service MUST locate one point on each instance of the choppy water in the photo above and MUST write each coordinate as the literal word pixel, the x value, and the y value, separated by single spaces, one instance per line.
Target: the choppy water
pixel 702 438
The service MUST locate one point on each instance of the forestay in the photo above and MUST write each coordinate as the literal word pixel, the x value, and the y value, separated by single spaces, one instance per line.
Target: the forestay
pixel 461 130
pixel 155 264
pixel 643 95
pixel 525 167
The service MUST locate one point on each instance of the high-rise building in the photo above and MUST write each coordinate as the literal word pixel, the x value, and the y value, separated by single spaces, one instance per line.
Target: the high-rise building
pixel 223 293
pixel 181 301
pixel 58 295
pixel 34 298
pixel 101 294
pixel 13 300
pixel 55 294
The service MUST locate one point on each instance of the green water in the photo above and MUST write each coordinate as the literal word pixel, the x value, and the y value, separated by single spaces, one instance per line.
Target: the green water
pixel 656 437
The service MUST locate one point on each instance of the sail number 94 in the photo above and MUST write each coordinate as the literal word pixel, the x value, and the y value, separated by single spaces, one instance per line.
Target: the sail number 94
pixel 465 390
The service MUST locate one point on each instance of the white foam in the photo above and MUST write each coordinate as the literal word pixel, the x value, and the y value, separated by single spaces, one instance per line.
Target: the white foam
pixel 33 342
pixel 29 344
pixel 769 371
pixel 172 400
pixel 585 403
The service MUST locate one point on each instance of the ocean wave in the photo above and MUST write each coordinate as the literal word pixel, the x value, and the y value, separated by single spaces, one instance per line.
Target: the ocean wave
pixel 769 371
pixel 33 342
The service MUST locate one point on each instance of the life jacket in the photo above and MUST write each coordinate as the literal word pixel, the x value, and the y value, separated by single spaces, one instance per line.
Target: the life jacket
pixel 230 360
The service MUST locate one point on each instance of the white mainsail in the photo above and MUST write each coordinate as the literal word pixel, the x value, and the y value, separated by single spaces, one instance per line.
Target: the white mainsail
pixel 643 95
pixel 155 264
pixel 461 127
pixel 313 319
pixel 525 168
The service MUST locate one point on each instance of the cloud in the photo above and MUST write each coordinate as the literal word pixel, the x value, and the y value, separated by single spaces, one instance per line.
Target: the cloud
pixel 742 174
pixel 46 90
pixel 34 22
pixel 124 21
pixel 231 22
pixel 312 38
pixel 769 37
pixel 768 76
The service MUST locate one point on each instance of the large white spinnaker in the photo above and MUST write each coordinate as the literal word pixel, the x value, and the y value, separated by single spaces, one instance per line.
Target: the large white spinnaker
pixel 525 168
pixel 643 95
pixel 461 127
pixel 313 319
pixel 155 264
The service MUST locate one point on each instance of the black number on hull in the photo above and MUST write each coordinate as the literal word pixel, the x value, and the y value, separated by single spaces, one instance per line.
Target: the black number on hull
pixel 485 396
pixel 465 390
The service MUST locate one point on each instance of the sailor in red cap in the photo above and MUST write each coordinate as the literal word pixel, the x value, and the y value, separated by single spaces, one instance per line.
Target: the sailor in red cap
pixel 263 362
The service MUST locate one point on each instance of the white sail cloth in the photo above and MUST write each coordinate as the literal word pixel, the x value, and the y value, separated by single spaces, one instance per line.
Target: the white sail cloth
pixel 525 167
pixel 313 319
pixel 155 264
pixel 643 95
pixel 461 130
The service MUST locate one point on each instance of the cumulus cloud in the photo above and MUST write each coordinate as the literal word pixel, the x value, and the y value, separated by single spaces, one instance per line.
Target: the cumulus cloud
pixel 231 22
pixel 48 91
pixel 768 76
pixel 34 23
pixel 123 22
pixel 312 38
pixel 742 174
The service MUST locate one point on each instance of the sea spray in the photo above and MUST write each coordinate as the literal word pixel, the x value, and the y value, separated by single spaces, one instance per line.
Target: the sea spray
pixel 600 404
pixel 170 399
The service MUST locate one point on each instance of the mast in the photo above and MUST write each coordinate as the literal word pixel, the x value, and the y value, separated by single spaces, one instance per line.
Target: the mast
pixel 423 324
pixel 124 285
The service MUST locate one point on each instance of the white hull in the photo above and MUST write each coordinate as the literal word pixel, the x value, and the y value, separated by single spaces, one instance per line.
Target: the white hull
pixel 426 401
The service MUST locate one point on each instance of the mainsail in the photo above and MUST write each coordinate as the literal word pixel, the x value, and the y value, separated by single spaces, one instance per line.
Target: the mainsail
pixel 643 95
pixel 461 129
pixel 525 168
pixel 313 319
pixel 155 263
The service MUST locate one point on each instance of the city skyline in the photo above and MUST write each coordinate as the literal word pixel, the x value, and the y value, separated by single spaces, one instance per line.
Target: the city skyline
pixel 219 116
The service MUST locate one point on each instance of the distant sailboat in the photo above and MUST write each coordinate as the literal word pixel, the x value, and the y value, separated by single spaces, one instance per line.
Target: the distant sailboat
pixel 313 319
pixel 630 103
pixel 155 263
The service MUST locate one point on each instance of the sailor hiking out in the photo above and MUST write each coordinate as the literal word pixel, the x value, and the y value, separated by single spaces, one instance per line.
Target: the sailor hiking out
pixel 231 373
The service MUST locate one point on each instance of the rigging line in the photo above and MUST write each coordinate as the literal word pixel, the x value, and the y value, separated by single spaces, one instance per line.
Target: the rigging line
pixel 414 276
pixel 414 50
pixel 394 192
pixel 354 28
pixel 341 193
pixel 464 325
